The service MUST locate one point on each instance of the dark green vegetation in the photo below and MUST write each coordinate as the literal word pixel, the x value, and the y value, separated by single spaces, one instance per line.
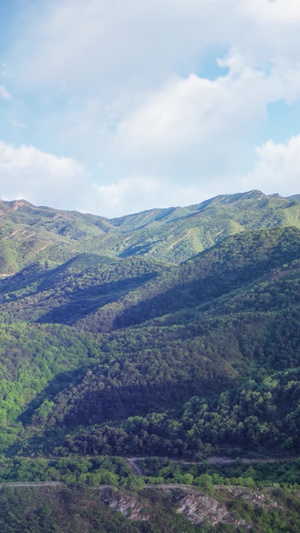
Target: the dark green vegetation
pixel 173 332
pixel 209 475
pixel 105 470
pixel 74 511
pixel 116 471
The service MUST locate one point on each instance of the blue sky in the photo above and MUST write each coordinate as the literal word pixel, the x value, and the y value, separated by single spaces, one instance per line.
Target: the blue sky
pixel 113 108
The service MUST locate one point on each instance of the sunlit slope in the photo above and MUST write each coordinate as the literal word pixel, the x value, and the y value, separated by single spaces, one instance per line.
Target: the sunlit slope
pixel 29 233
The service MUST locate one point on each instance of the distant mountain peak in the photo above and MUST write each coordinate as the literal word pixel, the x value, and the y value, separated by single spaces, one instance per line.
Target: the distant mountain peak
pixel 16 204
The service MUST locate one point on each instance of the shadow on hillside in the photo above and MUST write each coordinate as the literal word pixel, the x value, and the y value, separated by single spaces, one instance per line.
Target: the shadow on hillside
pixel 35 278
pixel 181 297
pixel 88 306
pixel 138 248
pixel 217 272
pixel 58 383
pixel 82 400
pixel 35 272
pixel 205 291
pixel 83 302
pixel 114 404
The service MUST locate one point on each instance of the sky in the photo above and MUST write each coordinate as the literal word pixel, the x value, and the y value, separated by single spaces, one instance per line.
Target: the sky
pixel 116 107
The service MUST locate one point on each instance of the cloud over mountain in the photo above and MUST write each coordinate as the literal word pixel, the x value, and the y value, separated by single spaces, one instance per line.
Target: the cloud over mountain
pixel 180 93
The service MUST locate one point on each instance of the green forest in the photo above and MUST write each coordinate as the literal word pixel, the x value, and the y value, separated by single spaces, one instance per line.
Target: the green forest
pixel 171 336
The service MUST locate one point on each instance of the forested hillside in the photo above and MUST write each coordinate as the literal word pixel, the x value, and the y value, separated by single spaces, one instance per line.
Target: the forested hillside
pixel 173 332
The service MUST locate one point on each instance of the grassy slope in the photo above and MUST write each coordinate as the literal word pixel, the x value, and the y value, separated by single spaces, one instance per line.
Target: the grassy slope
pixel 30 233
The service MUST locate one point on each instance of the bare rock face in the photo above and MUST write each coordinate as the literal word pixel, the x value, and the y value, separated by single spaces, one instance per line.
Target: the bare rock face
pixel 201 508
pixel 130 505
pixel 256 498
pixel 17 204
pixel 198 508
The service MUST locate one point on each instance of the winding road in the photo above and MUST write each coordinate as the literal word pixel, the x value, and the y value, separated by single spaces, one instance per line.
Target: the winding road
pixel 31 484
pixel 214 460
pixel 137 470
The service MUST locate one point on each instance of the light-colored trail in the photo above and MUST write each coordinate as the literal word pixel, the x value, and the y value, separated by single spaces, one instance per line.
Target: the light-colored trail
pixel 213 460
pixel 31 484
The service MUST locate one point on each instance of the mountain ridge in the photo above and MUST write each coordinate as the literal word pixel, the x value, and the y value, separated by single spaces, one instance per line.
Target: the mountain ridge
pixel 29 233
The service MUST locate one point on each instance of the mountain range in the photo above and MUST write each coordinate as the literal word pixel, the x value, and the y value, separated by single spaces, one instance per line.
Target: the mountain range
pixel 30 233
pixel 171 332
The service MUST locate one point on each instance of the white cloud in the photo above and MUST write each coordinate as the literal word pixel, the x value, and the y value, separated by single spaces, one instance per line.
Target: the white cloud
pixel 277 168
pixel 42 178
pixel 143 192
pixel 272 11
pixel 39 177
pixel 120 57
pixel 74 43
pixel 188 113
pixel 4 93
pixel 124 196
pixel 119 82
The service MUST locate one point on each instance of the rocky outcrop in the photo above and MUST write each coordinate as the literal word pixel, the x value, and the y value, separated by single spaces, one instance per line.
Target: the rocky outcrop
pixel 255 497
pixel 130 505
pixel 199 509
